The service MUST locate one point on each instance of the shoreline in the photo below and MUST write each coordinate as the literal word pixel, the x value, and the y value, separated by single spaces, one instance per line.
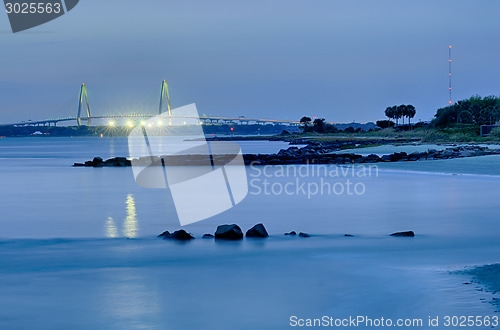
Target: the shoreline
pixel 487 277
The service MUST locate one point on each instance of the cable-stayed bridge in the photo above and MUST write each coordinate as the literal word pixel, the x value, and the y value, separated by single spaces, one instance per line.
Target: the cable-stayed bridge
pixel 84 115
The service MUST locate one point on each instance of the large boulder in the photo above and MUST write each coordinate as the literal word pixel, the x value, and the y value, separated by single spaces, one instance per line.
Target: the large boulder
pixel 448 153
pixel 414 156
pixel 231 232
pixel 372 158
pixel 386 158
pixel 97 162
pixel 404 234
pixel 257 231
pixel 398 156
pixel 180 235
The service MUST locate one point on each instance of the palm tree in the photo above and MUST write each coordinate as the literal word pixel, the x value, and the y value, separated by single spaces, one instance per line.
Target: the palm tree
pixel 389 112
pixel 410 112
pixel 402 112
pixel 397 113
pixel 392 112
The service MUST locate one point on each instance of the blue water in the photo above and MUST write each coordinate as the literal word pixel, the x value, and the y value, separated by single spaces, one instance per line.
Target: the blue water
pixel 78 247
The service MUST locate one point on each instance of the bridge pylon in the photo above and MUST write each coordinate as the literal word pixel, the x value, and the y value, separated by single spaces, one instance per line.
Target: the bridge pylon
pixel 83 101
pixel 164 93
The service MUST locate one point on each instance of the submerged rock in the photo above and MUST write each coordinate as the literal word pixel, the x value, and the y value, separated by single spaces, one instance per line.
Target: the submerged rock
pixel 257 231
pixel 348 235
pixel 166 233
pixel 231 232
pixel 292 233
pixel 404 234
pixel 180 235
pixel 301 234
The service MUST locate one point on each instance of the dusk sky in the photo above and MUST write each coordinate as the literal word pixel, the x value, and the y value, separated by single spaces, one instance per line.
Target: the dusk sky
pixel 282 59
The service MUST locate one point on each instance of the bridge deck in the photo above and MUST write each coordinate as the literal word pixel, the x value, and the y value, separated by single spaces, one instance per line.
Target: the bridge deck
pixel 240 120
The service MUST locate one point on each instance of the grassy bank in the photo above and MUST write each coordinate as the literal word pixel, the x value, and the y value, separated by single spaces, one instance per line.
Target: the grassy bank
pixel 457 134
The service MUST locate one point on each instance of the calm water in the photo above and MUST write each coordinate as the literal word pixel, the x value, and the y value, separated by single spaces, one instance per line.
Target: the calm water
pixel 66 260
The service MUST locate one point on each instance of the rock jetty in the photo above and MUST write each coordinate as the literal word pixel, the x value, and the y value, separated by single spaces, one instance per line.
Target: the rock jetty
pixel 314 153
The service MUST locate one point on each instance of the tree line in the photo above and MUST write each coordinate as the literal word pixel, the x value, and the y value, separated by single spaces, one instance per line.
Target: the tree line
pixel 397 112
pixel 319 125
pixel 474 110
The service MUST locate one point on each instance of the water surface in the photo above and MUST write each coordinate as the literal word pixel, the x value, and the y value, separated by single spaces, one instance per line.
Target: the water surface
pixel 80 242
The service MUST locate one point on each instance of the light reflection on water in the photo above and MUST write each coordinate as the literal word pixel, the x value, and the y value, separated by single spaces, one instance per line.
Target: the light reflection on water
pixel 130 224
pixel 111 230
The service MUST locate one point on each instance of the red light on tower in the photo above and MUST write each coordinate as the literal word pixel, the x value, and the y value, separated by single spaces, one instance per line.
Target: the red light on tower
pixel 449 74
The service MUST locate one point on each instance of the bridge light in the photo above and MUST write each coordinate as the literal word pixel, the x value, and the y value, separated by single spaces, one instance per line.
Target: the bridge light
pixel 143 122
pixel 111 123
pixel 150 125
pixel 130 123
pixel 159 122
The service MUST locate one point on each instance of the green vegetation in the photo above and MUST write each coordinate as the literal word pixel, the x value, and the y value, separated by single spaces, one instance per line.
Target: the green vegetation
pixel 460 122
pixel 385 123
pixel 474 110
pixel 319 125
